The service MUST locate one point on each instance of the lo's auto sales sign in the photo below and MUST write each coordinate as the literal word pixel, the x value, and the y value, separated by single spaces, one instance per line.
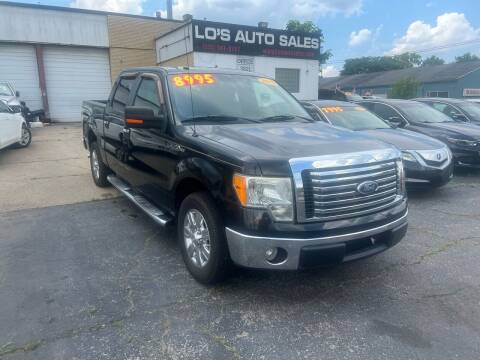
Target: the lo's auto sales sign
pixel 224 38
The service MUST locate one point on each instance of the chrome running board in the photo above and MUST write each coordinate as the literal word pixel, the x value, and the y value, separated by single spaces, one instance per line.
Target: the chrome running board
pixel 151 210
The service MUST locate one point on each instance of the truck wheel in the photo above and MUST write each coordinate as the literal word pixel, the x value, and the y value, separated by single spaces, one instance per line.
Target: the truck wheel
pixel 201 235
pixel 100 171
pixel 26 137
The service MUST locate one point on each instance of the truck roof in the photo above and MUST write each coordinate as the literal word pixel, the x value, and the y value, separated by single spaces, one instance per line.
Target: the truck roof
pixel 181 70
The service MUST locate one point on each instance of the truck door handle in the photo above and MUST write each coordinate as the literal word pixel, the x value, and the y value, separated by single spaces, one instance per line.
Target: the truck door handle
pixel 107 124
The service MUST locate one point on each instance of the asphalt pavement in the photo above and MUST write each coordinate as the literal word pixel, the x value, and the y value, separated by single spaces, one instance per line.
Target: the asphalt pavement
pixel 85 278
pixel 99 280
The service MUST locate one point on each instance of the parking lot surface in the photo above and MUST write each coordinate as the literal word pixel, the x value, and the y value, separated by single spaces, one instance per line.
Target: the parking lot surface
pixel 82 279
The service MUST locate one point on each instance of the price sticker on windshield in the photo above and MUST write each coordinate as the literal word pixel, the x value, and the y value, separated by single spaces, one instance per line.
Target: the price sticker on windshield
pixel 193 79
pixel 267 81
pixel 332 109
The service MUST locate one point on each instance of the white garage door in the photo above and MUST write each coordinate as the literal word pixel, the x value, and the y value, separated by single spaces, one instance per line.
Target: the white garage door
pixel 72 76
pixel 18 65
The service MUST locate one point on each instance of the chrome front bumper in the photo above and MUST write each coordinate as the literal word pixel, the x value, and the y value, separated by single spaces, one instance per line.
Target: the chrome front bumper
pixel 249 251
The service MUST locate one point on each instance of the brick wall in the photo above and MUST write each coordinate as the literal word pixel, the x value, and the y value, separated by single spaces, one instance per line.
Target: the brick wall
pixel 132 41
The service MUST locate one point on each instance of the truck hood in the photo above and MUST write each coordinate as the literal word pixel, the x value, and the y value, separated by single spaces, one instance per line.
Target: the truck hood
pixel 273 144
pixel 405 139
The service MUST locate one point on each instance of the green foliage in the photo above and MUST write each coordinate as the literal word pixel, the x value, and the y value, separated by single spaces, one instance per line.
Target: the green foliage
pixel 371 64
pixel 309 27
pixel 404 89
pixel 409 59
pixel 466 57
pixel 433 60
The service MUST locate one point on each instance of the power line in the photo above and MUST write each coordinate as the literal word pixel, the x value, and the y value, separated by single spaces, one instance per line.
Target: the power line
pixel 435 48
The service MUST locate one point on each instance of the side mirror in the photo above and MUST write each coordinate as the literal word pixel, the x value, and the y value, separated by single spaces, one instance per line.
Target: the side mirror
pixel 138 117
pixel 17 94
pixel 459 117
pixel 395 121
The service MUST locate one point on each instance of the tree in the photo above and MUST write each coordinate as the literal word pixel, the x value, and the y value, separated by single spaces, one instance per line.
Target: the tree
pixel 404 89
pixel 309 27
pixel 371 64
pixel 410 59
pixel 433 60
pixel 466 57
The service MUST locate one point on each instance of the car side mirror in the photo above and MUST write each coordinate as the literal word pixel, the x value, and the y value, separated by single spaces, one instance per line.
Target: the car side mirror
pixel 17 94
pixel 139 117
pixel 459 117
pixel 396 121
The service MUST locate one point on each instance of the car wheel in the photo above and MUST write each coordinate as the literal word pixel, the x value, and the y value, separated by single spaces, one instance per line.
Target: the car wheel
pixel 100 171
pixel 26 138
pixel 201 235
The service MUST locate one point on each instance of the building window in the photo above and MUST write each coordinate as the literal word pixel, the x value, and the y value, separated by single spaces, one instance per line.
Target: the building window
pixel 441 94
pixel 289 79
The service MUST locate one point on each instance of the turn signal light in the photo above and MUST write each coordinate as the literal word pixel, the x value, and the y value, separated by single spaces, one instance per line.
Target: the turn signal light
pixel 240 186
pixel 135 121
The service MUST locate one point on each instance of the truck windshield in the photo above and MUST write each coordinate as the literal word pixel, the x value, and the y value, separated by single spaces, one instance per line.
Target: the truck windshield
pixel 353 118
pixel 232 98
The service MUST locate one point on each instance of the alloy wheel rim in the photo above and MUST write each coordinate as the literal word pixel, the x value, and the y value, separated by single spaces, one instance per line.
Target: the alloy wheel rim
pixel 25 136
pixel 95 164
pixel 197 238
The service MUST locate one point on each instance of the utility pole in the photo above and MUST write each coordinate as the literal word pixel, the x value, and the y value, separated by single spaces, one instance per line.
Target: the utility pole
pixel 169 9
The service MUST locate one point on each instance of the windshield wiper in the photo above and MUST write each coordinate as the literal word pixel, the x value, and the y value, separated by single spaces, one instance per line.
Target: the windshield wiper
pixel 285 118
pixel 216 118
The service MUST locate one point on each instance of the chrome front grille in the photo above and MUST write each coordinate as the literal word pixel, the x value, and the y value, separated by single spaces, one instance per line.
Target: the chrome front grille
pixel 329 188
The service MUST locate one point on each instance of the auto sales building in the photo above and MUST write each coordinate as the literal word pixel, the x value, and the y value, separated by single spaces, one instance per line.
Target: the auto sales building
pixel 56 57
pixel 290 58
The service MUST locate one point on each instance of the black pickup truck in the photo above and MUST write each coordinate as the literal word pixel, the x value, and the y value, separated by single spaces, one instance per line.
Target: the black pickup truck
pixel 243 172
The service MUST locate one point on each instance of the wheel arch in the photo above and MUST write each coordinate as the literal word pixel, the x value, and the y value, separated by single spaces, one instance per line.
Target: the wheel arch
pixel 196 174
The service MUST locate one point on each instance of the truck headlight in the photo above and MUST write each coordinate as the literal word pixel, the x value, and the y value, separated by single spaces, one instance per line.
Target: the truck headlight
pixel 462 142
pixel 406 156
pixel 274 194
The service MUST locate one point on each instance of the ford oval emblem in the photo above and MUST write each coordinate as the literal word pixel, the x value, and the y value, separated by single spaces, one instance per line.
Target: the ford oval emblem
pixel 367 187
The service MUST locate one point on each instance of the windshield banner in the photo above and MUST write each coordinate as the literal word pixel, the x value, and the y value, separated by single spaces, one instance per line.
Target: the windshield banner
pixel 221 38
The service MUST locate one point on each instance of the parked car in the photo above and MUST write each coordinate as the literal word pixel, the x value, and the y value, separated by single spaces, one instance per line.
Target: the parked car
pixel 426 160
pixel 246 175
pixel 463 139
pixel 10 96
pixel 13 128
pixel 328 94
pixel 456 109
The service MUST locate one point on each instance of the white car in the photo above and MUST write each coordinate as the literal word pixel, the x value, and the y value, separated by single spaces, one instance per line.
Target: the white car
pixel 13 128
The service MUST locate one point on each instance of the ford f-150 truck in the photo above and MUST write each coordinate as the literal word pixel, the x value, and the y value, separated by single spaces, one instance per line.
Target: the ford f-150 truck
pixel 243 172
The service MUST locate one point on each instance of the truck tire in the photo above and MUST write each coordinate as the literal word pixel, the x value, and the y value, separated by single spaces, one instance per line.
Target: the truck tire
pixel 100 171
pixel 201 236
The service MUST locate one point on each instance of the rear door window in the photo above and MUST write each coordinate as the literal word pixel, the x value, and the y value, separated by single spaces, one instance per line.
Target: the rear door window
pixel 122 94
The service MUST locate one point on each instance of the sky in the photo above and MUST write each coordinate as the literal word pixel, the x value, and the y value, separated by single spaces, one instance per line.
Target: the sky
pixel 352 28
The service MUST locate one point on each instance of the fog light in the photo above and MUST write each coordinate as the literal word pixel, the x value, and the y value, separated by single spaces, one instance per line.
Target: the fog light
pixel 271 254
pixel 276 255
